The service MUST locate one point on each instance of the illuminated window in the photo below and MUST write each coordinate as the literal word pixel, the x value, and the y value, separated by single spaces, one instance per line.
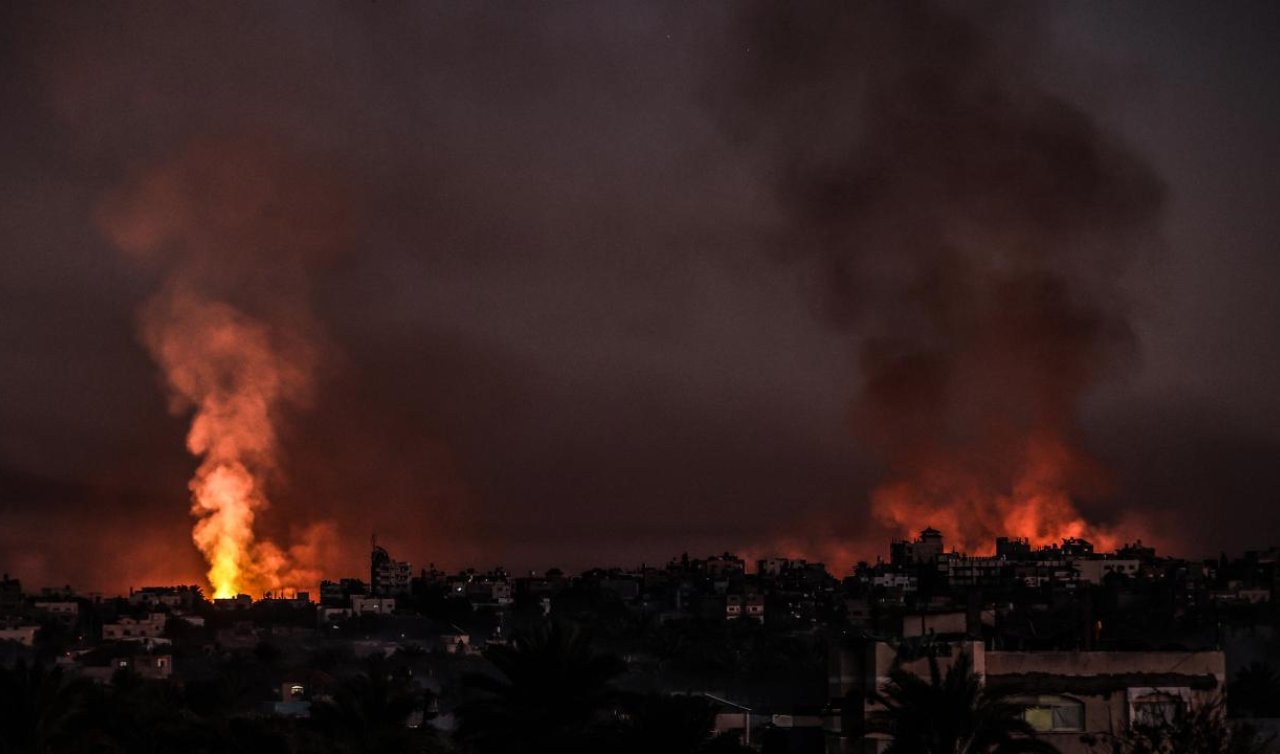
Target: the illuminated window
pixel 1054 714
pixel 296 691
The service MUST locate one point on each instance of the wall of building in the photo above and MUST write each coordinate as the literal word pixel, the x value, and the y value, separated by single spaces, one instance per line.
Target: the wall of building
pixel 1105 684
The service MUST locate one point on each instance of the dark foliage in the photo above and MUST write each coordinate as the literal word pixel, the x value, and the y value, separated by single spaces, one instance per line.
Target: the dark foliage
pixel 951 713
pixel 551 692
pixel 1202 729
pixel 1255 692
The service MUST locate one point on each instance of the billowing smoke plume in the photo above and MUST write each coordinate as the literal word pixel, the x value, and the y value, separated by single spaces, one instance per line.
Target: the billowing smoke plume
pixel 232 228
pixel 969 226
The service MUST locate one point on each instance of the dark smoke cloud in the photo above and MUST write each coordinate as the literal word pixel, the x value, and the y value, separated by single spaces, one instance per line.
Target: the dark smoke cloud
pixel 559 332
pixel 971 226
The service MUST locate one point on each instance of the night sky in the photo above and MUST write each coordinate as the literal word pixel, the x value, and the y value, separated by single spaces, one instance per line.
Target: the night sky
pixel 598 283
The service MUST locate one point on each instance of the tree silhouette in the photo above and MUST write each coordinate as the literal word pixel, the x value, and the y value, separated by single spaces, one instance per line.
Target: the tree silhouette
pixel 673 725
pixel 39 708
pixel 370 712
pixel 551 692
pixel 951 714
pixel 1200 729
pixel 1255 691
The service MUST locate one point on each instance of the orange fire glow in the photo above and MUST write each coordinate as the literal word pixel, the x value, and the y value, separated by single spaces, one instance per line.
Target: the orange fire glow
pixel 234 225
pixel 972 509
pixel 235 372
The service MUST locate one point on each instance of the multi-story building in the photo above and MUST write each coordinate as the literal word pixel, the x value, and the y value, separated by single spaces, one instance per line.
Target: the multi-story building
pixel 66 611
pixel 10 593
pixel 926 548
pixel 387 576
pixel 744 606
pixel 722 566
pixel 962 571
pixel 1094 570
pixel 339 593
pixel 373 605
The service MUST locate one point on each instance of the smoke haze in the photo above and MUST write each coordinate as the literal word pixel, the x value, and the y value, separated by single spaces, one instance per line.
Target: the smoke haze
pixel 970 228
pixel 574 285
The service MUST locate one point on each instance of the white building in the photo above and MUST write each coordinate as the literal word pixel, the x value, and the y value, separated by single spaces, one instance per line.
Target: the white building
pixel 131 629
pixel 1094 571
pixel 24 635
pixel 373 605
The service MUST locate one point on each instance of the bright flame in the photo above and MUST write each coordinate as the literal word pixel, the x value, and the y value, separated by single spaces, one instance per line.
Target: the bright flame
pixel 223 498
pixel 236 372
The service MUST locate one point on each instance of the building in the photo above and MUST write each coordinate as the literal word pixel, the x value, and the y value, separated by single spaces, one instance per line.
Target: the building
pixel 1064 695
pixel 172 597
pixel 387 576
pixel 24 635
pixel 627 589
pixel 238 602
pixel 895 581
pixel 1076 547
pixel 454 641
pixel 1018 548
pixel 1094 570
pixel 773 566
pixel 927 548
pixel 724 566
pixel 294 700
pixel 152 666
pixel 10 593
pixel 64 611
pixel 373 605
pixel 133 629
pixel 744 606
pixel 339 593
pixel 960 570
pixel 949 623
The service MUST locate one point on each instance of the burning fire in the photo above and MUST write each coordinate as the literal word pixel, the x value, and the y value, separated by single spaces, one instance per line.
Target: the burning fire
pixel 1035 504
pixel 235 225
pixel 972 228
pixel 230 368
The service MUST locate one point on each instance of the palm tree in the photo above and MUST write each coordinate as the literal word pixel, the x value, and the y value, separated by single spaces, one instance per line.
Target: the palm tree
pixel 551 692
pixel 39 708
pixel 951 714
pixel 371 712
pixel 142 716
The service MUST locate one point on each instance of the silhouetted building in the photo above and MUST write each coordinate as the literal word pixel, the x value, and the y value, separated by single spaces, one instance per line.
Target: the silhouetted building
pixel 925 549
pixel 10 592
pixel 1076 547
pixel 388 576
pixel 1013 549
pixel 339 593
